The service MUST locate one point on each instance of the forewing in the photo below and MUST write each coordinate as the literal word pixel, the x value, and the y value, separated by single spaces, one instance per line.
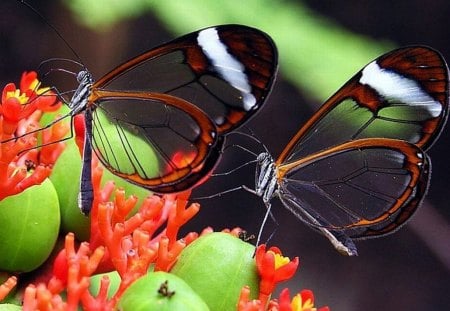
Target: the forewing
pixel 227 71
pixel 157 141
pixel 401 95
pixel 363 188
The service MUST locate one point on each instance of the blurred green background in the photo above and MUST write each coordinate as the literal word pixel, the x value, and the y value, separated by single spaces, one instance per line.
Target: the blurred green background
pixel 321 45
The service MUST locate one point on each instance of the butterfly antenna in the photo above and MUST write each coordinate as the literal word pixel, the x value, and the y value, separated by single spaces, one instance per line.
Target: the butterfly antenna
pixel 240 147
pixel 251 135
pixel 254 137
pixel 272 234
pixel 54 59
pixel 30 7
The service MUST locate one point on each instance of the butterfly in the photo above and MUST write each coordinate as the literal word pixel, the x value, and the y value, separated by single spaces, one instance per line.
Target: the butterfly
pixel 159 120
pixel 358 168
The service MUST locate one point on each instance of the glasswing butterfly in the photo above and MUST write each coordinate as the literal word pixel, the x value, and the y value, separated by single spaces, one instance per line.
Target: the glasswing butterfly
pixel 358 168
pixel 176 101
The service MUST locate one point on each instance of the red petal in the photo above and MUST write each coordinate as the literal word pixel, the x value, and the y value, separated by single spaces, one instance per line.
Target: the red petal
pixel 60 266
pixel 78 124
pixel 259 255
pixel 47 102
pixel 284 300
pixel 10 87
pixel 275 250
pixel 287 271
pixel 26 80
pixel 12 109
pixel 307 295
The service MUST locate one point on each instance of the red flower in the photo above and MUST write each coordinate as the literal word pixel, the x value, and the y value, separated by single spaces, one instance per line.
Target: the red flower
pixel 14 105
pixel 303 301
pixel 18 104
pixel 22 163
pixel 273 268
pixel 43 98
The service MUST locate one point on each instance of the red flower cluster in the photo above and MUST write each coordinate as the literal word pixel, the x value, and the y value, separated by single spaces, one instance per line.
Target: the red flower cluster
pixel 127 245
pixel 131 244
pixel 22 162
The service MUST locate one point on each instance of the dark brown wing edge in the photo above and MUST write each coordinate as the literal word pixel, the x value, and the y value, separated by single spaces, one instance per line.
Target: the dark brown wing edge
pixel 423 64
pixel 252 47
pixel 432 77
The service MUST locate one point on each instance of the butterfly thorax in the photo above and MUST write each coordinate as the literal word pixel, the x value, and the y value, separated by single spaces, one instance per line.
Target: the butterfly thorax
pixel 80 98
pixel 266 182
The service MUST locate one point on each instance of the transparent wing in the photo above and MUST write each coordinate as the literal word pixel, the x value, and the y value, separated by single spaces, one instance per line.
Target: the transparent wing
pixel 400 95
pixel 157 141
pixel 364 188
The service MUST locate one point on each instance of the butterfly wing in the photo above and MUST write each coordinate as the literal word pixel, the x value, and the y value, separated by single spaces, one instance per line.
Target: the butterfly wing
pixel 157 141
pixel 400 95
pixel 177 101
pixel 227 71
pixel 359 189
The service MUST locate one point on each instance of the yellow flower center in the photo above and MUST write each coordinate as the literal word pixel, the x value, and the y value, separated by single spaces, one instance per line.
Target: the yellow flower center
pixel 298 305
pixel 42 90
pixel 35 85
pixel 280 260
pixel 23 99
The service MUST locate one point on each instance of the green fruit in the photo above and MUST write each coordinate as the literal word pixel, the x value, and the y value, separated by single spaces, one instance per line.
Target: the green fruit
pixel 49 117
pixel 10 307
pixel 160 291
pixel 66 179
pixel 217 266
pixel 29 225
pixel 114 279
